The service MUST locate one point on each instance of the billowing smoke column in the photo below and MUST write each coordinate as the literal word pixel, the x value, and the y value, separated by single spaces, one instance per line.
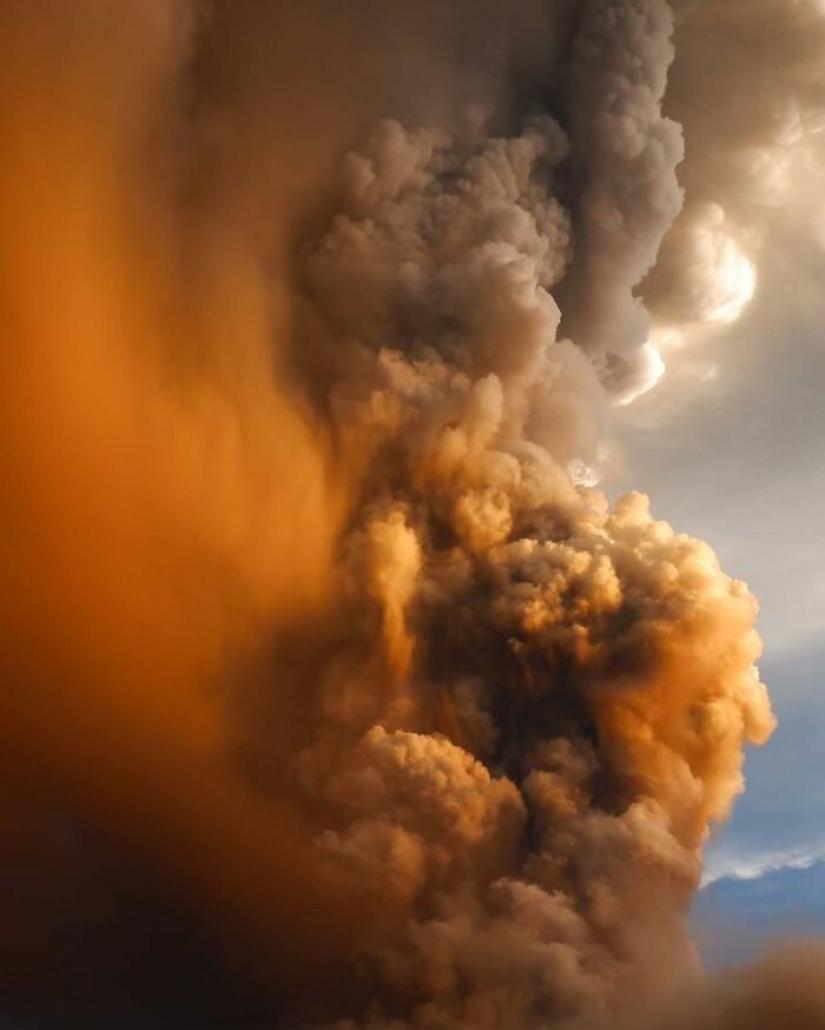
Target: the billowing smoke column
pixel 541 703
pixel 312 606
pixel 625 157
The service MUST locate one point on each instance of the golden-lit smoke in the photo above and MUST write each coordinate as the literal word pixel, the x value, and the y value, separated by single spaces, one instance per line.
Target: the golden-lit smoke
pixel 540 780
pixel 784 989
pixel 306 607
pixel 165 500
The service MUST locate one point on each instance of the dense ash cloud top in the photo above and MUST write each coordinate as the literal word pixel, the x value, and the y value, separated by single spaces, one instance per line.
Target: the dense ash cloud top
pixel 626 154
pixel 321 641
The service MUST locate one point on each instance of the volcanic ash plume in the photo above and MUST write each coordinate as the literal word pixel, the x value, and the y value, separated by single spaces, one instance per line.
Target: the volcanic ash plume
pixel 467 785
pixel 540 703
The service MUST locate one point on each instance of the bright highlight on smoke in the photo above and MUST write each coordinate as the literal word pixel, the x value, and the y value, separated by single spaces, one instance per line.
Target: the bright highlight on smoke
pixel 652 368
pixel 703 275
pixel 317 630
pixel 736 285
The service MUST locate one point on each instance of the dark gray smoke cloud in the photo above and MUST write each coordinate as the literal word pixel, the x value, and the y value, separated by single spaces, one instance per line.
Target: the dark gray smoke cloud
pixel 625 158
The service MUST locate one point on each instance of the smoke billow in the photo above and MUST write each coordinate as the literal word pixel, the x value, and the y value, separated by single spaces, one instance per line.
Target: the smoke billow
pixel 332 680
pixel 540 704
pixel 746 85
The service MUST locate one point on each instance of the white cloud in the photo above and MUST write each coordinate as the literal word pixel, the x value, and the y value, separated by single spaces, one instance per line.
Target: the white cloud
pixel 741 867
